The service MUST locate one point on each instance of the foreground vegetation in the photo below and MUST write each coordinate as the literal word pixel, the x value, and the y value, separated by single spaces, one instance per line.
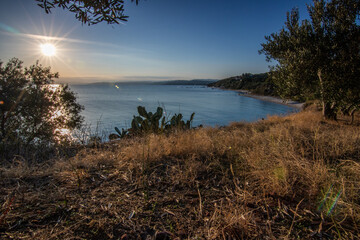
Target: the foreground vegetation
pixel 284 177
pixel 294 177
pixel 157 122
pixel 34 112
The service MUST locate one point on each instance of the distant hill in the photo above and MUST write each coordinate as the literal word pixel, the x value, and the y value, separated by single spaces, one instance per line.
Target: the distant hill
pixel 188 82
pixel 255 83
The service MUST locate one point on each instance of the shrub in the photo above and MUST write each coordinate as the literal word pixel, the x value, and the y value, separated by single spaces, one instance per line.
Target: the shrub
pixel 34 112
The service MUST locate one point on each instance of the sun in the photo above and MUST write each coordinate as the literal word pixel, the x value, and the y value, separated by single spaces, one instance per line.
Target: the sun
pixel 48 49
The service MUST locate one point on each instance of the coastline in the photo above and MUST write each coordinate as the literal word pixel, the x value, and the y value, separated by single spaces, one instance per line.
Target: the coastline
pixel 272 99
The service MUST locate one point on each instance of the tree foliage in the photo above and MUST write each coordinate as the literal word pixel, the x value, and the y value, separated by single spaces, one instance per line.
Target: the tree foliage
pixel 34 112
pixel 90 11
pixel 255 83
pixel 319 58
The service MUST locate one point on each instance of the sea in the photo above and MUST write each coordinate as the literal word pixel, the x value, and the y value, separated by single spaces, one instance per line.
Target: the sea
pixel 110 105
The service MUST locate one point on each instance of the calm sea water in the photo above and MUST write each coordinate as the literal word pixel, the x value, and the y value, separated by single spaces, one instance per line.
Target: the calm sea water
pixel 113 105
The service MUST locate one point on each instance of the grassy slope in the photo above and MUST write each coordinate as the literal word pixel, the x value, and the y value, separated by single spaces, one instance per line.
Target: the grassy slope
pixel 257 180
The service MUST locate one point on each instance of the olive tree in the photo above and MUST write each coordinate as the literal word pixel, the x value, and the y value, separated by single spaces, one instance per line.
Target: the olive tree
pixel 34 112
pixel 90 11
pixel 319 58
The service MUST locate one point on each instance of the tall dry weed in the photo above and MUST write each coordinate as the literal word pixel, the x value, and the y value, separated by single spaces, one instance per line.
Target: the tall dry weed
pixel 283 177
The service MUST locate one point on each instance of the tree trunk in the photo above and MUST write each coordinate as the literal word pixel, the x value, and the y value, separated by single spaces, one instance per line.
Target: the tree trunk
pixel 352 114
pixel 328 109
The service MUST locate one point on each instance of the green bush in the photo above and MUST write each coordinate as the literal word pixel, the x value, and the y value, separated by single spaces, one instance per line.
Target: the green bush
pixel 34 112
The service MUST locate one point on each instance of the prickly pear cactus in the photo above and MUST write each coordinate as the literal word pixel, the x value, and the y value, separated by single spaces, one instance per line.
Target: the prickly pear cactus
pixel 148 122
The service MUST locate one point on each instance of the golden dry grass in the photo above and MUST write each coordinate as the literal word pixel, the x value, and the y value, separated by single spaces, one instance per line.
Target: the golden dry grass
pixel 282 178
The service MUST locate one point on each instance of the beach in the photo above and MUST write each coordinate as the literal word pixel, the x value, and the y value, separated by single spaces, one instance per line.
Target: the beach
pixel 273 99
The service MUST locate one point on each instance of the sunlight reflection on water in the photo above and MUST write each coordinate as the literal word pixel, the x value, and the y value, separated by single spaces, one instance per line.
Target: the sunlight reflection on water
pixel 58 112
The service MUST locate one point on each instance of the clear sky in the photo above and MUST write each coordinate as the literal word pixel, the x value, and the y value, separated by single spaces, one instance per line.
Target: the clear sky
pixel 163 39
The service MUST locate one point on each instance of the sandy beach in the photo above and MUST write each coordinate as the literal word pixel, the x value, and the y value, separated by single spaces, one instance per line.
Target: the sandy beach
pixel 277 100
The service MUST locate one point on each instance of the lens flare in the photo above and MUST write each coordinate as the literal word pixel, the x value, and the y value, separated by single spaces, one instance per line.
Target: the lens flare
pixel 329 201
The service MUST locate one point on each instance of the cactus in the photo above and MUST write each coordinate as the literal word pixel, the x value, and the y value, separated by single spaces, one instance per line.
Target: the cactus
pixel 163 125
pixel 148 122
pixel 142 112
pixel 122 133
pixel 189 122
pixel 159 112
pixel 177 122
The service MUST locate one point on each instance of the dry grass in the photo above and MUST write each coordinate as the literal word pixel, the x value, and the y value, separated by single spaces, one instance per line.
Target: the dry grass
pixel 282 178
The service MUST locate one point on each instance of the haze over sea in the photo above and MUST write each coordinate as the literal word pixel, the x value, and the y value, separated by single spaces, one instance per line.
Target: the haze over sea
pixel 109 105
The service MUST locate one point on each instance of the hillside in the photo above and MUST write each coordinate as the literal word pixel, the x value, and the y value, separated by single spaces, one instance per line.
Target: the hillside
pixel 294 177
pixel 255 83
pixel 187 82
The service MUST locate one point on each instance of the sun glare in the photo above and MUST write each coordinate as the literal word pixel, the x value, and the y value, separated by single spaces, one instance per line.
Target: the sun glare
pixel 48 49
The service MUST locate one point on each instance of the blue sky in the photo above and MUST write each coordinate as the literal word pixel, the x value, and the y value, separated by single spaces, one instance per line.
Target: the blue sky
pixel 163 39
